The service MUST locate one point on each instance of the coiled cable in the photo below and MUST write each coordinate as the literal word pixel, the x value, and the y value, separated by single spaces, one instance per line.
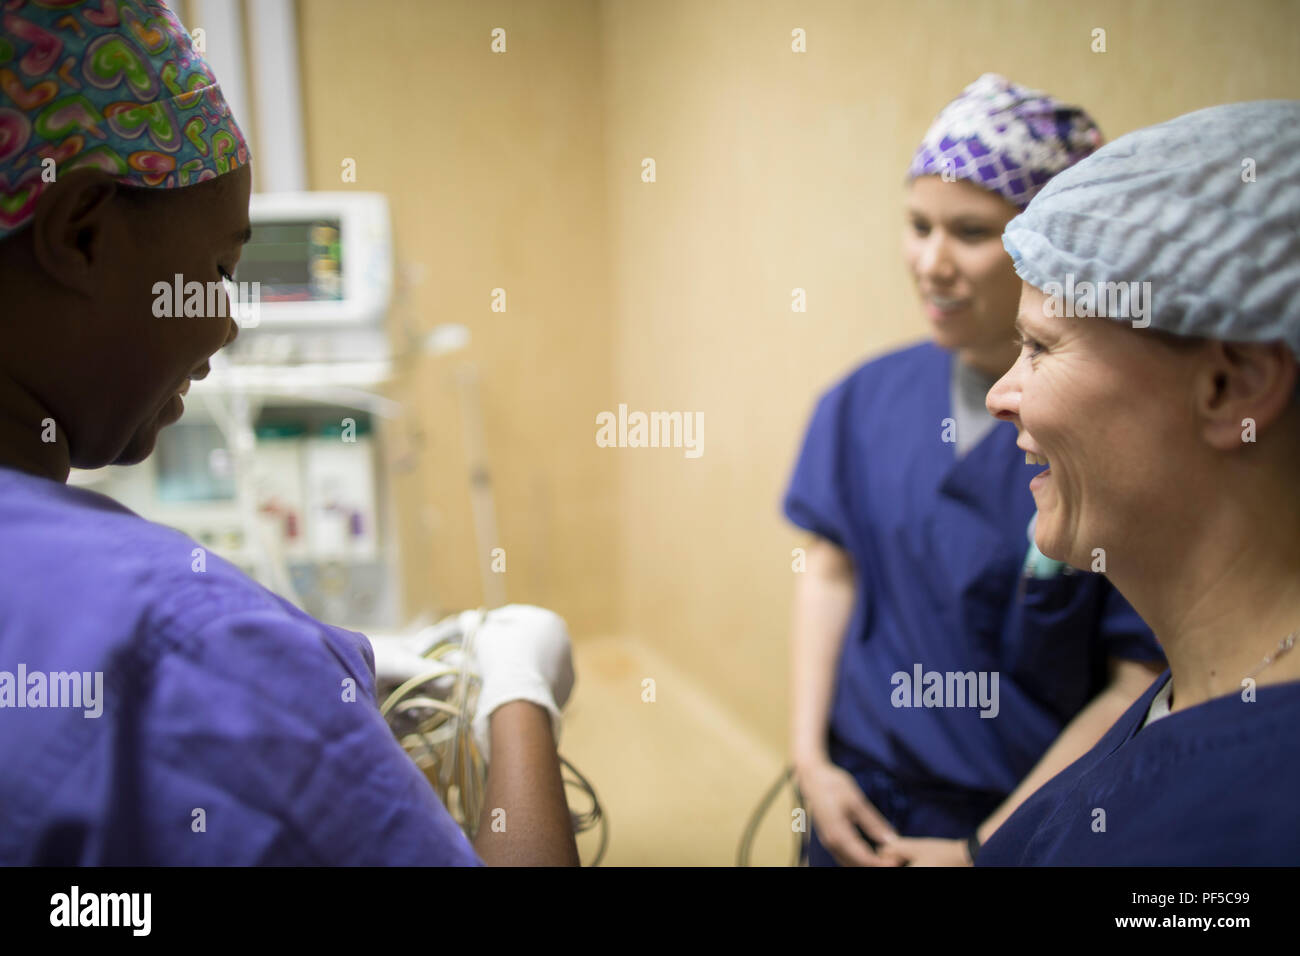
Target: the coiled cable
pixel 432 717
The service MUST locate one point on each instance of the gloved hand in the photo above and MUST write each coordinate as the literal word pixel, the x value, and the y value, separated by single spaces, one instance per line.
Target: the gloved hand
pixel 400 657
pixel 521 653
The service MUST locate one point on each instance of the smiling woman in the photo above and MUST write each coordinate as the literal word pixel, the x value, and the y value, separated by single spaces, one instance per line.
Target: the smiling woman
pixel 81 249
pixel 88 264
pixel 918 509
pixel 1173 453
pixel 952 246
pixel 235 728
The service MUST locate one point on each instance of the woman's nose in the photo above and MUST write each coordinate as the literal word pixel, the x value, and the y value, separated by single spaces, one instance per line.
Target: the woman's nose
pixel 1003 399
pixel 935 262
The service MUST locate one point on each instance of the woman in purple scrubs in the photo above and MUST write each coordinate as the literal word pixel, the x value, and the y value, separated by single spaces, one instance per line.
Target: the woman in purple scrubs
pixel 156 708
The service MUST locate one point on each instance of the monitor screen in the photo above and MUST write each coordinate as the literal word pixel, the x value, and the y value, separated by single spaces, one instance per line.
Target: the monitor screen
pixel 193 464
pixel 294 260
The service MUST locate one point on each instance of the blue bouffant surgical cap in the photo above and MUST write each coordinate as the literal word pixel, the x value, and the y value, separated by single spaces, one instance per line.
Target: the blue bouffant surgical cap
pixel 1192 227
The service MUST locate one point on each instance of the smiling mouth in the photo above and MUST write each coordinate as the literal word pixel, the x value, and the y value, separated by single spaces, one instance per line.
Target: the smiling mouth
pixel 195 376
pixel 944 304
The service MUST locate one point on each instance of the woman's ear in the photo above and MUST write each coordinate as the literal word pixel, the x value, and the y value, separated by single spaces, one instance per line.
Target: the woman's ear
pixel 1241 389
pixel 69 232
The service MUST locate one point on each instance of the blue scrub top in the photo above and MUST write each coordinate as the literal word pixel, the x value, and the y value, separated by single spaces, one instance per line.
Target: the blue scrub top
pixel 939 546
pixel 235 729
pixel 1212 785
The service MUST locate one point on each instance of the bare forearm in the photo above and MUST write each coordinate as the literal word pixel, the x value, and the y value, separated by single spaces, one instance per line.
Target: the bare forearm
pixel 823 606
pixel 525 818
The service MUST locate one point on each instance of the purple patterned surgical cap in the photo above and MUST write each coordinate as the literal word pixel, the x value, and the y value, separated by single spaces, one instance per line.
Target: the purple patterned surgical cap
pixel 1005 138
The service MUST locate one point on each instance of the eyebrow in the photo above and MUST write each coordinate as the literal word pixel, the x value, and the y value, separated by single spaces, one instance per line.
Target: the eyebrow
pixel 957 219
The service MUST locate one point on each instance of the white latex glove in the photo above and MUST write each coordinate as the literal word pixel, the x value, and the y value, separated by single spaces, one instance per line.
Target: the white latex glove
pixel 521 653
pixel 399 657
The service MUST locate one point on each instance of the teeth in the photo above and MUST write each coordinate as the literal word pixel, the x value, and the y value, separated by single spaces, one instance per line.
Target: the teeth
pixel 1032 459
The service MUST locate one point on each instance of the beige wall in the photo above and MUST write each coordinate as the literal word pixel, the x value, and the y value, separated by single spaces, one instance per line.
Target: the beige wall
pixel 775 170
pixel 494 165
pixel 778 170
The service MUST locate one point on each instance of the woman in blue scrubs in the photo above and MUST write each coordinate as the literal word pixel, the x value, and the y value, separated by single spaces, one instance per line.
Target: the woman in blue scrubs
pixel 940 673
pixel 1168 409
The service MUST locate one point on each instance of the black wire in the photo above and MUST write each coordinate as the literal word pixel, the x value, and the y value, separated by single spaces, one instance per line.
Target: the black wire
pixel 751 828
pixel 800 837
pixel 584 822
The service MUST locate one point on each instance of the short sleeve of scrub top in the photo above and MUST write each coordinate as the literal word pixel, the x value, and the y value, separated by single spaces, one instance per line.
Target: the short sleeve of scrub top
pixel 814 500
pixel 234 728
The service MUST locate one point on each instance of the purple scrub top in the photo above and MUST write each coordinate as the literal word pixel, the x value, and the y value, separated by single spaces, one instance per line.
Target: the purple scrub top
pixel 228 728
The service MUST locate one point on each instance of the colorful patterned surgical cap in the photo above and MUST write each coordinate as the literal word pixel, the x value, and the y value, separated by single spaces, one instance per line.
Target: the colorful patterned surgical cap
pixel 112 85
pixel 1007 138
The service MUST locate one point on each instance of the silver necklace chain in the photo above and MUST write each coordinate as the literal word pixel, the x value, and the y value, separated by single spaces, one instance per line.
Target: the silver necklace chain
pixel 1283 646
